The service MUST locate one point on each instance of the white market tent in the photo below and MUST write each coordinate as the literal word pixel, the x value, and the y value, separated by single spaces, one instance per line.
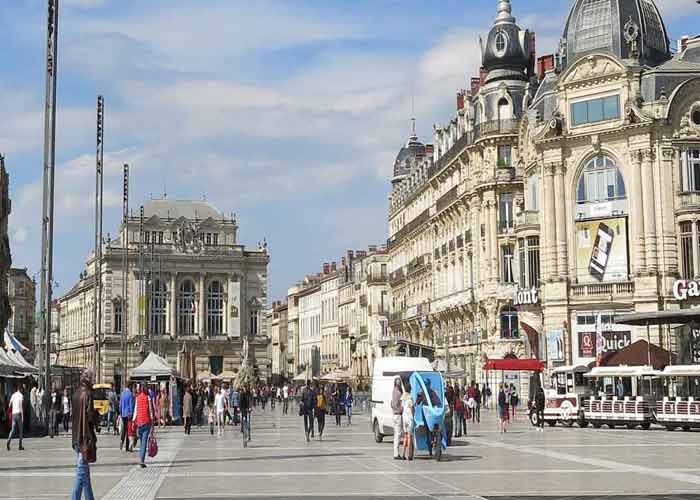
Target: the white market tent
pixel 153 366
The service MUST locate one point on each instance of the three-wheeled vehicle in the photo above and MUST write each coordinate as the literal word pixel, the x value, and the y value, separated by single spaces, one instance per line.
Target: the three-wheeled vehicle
pixel 430 405
pixel 625 395
pixel 100 401
pixel 680 407
pixel 564 401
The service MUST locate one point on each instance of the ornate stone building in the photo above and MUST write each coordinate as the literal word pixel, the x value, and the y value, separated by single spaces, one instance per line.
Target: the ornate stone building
pixel 564 193
pixel 21 291
pixel 5 255
pixel 191 285
pixel 452 240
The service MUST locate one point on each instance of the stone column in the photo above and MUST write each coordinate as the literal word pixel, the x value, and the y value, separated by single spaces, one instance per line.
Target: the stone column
pixel 476 239
pixel 560 197
pixel 668 247
pixel 649 207
pixel 495 250
pixel 201 311
pixel 549 223
pixel 172 307
pixel 486 261
pixel 637 220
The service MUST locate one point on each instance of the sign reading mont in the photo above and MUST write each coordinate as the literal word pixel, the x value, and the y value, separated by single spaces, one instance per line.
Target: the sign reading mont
pixel 526 297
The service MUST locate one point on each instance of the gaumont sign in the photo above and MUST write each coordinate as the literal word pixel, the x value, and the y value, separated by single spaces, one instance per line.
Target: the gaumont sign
pixel 685 289
pixel 526 297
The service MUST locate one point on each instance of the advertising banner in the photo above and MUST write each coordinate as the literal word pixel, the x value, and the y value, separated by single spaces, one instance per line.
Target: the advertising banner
pixel 234 303
pixel 601 253
pixel 556 345
pixel 591 344
pixel 690 344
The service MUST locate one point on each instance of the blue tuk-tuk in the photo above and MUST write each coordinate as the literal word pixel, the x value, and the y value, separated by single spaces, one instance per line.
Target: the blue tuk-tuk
pixel 428 394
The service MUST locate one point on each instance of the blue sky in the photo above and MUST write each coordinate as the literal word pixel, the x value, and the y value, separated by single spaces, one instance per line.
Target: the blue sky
pixel 288 113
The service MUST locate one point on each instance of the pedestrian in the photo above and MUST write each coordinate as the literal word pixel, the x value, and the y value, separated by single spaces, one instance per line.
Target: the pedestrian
pixel 65 401
pixel 220 404
pixel 84 440
pixel 55 411
pixel 502 408
pixel 306 409
pixel 460 421
pixel 17 411
pixel 397 411
pixel 513 399
pixel 235 402
pixel 199 406
pixel 348 404
pixel 164 406
pixel 187 410
pixel 144 417
pixel 337 401
pixel 539 407
pixel 112 412
pixel 285 399
pixel 320 410
pixel 126 411
pixel 246 408
pixel 487 397
pixel 407 417
pixel 476 414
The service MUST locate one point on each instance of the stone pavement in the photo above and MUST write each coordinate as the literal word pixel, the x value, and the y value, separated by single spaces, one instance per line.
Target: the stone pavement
pixel 555 465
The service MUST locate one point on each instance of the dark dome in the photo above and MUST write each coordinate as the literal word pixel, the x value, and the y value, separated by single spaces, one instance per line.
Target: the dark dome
pixel 627 29
pixel 505 53
pixel 409 156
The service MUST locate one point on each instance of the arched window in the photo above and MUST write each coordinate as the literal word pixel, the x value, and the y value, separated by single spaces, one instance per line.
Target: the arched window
pixel 215 308
pixel 504 109
pixel 118 317
pixel 600 181
pixel 501 42
pixel 185 308
pixel 157 307
pixel 509 323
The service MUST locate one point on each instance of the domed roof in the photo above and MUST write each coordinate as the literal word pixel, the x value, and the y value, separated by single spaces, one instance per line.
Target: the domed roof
pixel 627 29
pixel 506 51
pixel 409 156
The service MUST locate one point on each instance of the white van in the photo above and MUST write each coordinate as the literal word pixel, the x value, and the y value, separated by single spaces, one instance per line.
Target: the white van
pixel 385 370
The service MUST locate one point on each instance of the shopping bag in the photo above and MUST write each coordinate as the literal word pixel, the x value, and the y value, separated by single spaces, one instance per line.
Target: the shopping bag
pixel 152 445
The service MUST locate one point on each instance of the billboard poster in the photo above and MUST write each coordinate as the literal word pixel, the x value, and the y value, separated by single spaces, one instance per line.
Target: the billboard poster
pixel 690 344
pixel 601 253
pixel 556 345
pixel 234 297
pixel 590 343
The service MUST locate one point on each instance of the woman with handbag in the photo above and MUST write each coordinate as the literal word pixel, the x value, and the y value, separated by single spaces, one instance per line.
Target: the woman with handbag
pixel 143 417
pixel 84 438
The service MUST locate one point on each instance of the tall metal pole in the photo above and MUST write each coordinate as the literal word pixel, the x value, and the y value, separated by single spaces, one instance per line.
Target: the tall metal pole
pixel 125 280
pixel 142 286
pixel 97 290
pixel 48 184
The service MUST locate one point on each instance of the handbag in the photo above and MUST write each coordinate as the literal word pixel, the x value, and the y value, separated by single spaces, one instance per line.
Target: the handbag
pixel 152 445
pixel 301 408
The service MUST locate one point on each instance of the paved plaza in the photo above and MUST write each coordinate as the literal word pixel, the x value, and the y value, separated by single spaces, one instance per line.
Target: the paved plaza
pixel 558 464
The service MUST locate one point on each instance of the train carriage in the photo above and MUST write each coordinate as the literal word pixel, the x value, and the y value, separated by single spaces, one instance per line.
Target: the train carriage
pixel 624 396
pixel 564 401
pixel 680 407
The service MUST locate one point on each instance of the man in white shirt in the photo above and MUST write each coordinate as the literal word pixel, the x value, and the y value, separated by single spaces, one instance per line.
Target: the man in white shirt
pixel 220 404
pixel 17 409
pixel 285 399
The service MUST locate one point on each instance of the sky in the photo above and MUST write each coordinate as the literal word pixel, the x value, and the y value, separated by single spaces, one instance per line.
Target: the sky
pixel 288 113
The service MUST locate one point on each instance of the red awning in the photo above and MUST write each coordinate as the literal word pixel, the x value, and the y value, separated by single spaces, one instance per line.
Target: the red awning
pixel 527 365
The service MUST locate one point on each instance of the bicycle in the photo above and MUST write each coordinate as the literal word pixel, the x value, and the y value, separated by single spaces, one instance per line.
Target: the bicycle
pixel 246 427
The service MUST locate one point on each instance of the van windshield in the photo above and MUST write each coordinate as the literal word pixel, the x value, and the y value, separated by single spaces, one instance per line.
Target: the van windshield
pixel 405 376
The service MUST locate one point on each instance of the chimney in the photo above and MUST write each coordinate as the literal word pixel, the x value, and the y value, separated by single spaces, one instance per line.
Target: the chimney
pixel 334 267
pixel 475 85
pixel 683 43
pixel 326 268
pixel 483 73
pixel 533 55
pixel 544 64
pixel 460 100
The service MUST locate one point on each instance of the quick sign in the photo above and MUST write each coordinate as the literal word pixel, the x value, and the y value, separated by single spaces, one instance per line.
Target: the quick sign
pixel 526 297
pixel 591 344
pixel 684 289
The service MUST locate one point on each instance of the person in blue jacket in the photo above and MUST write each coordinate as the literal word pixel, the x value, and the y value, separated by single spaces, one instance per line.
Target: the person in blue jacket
pixel 348 404
pixel 126 410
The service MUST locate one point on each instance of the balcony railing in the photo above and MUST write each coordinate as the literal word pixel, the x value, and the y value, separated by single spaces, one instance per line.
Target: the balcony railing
pixel 463 297
pixel 397 276
pixel 527 218
pixel 689 199
pixel 408 228
pixel 624 288
pixel 375 278
pixel 446 200
pixel 496 127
